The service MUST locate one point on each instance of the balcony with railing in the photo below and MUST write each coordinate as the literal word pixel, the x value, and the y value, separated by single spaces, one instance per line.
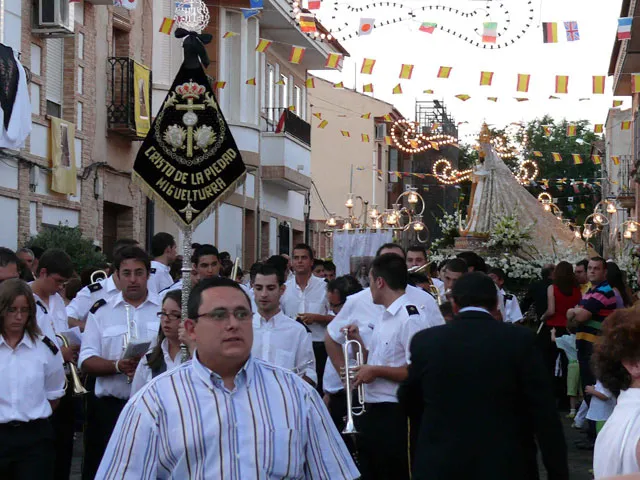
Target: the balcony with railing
pixel 125 91
pixel 285 149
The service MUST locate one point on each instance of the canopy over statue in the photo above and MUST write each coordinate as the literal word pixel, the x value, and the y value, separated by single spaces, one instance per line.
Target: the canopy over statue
pixel 496 192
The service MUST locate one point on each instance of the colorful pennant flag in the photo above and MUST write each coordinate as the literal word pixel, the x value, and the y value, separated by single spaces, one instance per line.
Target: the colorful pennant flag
pixel 573 35
pixel 486 78
pixel 598 84
pixel 523 82
pixel 307 23
pixel 428 91
pixel 388 140
pixel 397 90
pixel 549 32
pixel 229 35
pixel 345 133
pixel 406 71
pixel 365 138
pixel 492 99
pixel 318 115
pixel 280 82
pixel 624 28
pixel 598 128
pixel 251 81
pixel 464 97
pixel 490 32
pixel 263 45
pixel 338 85
pixel 167 25
pixel 635 82
pixel 292 108
pixel 615 160
pixel 314 4
pixel 333 60
pixel 367 66
pixel 577 159
pixel 521 99
pixel 597 159
pixel 387 117
pixel 323 124
pixel 297 54
pixel 553 97
pixel 428 27
pixel 220 85
pixel 562 84
pixel 625 126
pixel 547 130
pixel 617 103
pixel 366 116
pixel 444 72
pixel 536 153
pixel 366 26
pixel 556 157
pixel 583 206
pixel 367 88
pixel 571 130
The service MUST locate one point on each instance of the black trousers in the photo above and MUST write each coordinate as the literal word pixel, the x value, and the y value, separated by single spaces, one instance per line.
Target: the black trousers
pixel 338 412
pixel 382 442
pixel 101 417
pixel 63 422
pixel 320 352
pixel 587 377
pixel 27 451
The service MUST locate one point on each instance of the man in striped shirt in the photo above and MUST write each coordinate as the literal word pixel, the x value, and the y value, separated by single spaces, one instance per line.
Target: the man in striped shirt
pixel 596 305
pixel 225 414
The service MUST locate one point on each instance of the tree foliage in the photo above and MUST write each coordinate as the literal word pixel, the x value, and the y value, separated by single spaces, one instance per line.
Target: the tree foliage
pixel 70 239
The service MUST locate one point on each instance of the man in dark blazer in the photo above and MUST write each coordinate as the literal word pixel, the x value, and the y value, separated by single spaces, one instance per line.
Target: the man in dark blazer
pixel 484 396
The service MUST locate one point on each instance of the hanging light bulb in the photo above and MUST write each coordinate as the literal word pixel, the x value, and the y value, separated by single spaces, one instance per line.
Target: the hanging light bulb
pixel 332 221
pixel 392 218
pixel 377 224
pixel 349 202
pixel 547 207
pixel 418 227
pixel 587 232
pixel 577 233
pixel 633 226
pixel 374 211
pixel 413 197
pixel 598 218
pixel 347 225
pixel 628 234
pixel 611 207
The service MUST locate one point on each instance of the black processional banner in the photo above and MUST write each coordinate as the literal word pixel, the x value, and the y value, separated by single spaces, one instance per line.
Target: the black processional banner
pixel 189 161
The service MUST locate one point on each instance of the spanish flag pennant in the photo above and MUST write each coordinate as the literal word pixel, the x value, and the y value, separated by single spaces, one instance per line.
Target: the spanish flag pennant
pixel 292 108
pixel 598 128
pixel 310 83
pixel 251 81
pixel 486 78
pixel 553 97
pixel 583 206
pixel 562 84
pixel 221 84
pixel 366 116
pixel 434 145
pixel 229 35
pixel 323 124
pixel 297 54
pixel 635 82
pixel 444 72
pixel 625 126
pixel 263 45
pixel 397 90
pixel 556 157
pixel 364 137
pixel 547 130
pixel 598 84
pixel 388 140
pixel 571 130
pixel 318 115
pixel 428 91
pixel 615 160
pixel 345 133
pixel 577 159
pixel 307 23
pixel 333 60
pixel 338 85
pixel 521 99
pixel 167 25
pixel 617 103
pixel 492 99
pixel 536 153
pixel 464 97
pixel 523 82
pixel 387 117
pixel 435 126
pixel 406 71
pixel 597 159
pixel 279 82
pixel 367 66
pixel 367 88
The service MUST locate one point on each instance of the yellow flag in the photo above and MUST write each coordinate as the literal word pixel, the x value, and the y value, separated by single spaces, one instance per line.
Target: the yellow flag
pixel 338 85
pixel 367 66
pixel 547 130
pixel 229 35
pixel 141 99
pixel 397 89
pixel 167 25
pixel 428 91
pixel 492 99
pixel 297 54
pixel 263 45
pixel 221 85
pixel 625 125
pixel 598 84
pixel 310 83
pixel 365 138
pixel 444 72
pixel 598 128
pixel 406 71
pixel 537 153
pixel 63 157
pixel 617 103
pixel 577 159
pixel 615 160
pixel 556 157
pixel 345 133
pixel 368 88
pixel 251 81
pixel 464 97
pixel 366 116
pixel 486 78
pixel 597 159
pixel 388 140
pixel 322 124
pixel 318 115
pixel 387 117
pixel 571 131
pixel 523 82
pixel 635 83
pixel 562 84
pixel 333 60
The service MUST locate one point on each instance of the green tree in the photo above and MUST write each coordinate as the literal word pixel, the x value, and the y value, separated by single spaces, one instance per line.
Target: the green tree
pixel 81 250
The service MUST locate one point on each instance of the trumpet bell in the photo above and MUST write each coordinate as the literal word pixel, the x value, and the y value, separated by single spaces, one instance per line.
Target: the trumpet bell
pixel 350 427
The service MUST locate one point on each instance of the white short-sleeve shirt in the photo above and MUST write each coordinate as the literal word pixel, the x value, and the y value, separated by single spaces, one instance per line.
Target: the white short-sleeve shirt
pixel 52 316
pixel 159 277
pixel 313 299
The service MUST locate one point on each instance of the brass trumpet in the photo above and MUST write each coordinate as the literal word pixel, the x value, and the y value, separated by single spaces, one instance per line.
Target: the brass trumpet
pixel 78 389
pixel 97 276
pixel 433 290
pixel 349 376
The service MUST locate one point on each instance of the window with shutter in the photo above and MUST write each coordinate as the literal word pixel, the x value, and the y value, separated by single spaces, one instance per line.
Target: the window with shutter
pixel 54 74
pixel 252 71
pixel 232 68
pixel 167 50
pixel 12 30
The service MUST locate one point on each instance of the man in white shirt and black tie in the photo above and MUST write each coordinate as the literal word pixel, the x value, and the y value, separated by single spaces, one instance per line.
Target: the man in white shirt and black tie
pixel 279 339
pixel 305 299
pixel 54 270
pixel 164 252
pixel 129 317
pixel 233 416
pixel 509 307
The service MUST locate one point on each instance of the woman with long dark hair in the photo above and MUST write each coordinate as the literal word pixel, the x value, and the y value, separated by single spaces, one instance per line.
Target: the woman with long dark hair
pixel 33 382
pixel 615 277
pixel 562 294
pixel 165 355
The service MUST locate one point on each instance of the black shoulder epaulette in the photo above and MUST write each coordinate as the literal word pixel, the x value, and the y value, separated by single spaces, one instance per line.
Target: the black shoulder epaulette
pixel 412 310
pixel 94 308
pixel 152 270
pixel 508 296
pixel 49 343
pixel 306 327
pixel 94 287
pixel 41 305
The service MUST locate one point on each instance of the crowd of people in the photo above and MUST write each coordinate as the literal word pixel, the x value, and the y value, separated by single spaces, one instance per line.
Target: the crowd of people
pixel 251 383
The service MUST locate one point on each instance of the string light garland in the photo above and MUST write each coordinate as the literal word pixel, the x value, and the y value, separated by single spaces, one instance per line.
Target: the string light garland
pixel 527 172
pixel 407 139
pixel 513 143
pixel 445 173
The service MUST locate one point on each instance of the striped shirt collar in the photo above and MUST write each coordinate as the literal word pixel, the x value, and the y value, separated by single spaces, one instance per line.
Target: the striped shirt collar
pixel 243 377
